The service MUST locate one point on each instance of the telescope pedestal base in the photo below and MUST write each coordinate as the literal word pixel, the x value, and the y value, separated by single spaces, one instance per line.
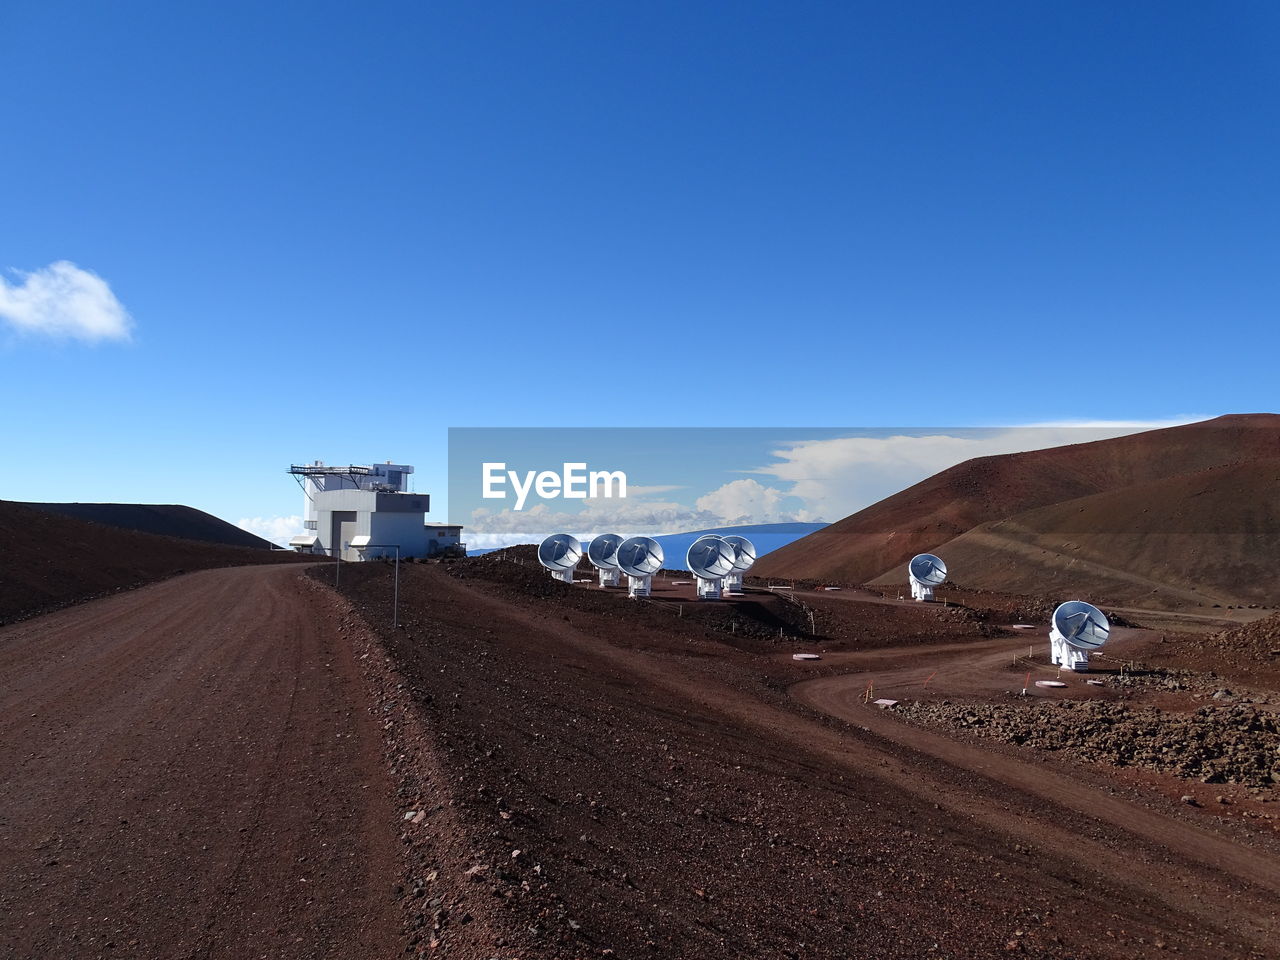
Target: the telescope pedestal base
pixel 708 589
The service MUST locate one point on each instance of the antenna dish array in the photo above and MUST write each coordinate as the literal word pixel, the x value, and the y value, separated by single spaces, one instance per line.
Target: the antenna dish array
pixel 744 552
pixel 717 563
pixel 710 559
pixel 925 572
pixel 639 558
pixel 603 554
pixel 560 554
pixel 1077 629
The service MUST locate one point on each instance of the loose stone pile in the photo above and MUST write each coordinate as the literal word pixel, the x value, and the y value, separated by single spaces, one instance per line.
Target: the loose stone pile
pixel 1217 744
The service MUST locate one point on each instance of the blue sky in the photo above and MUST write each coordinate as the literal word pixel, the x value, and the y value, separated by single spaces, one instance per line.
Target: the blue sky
pixel 339 230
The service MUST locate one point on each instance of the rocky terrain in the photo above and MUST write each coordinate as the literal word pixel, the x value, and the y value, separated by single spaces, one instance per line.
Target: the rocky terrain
pixel 1237 744
pixel 632 782
pixel 1251 651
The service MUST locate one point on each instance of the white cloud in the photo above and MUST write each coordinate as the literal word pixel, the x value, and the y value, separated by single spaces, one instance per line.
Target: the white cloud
pixel 493 541
pixel 834 478
pixel 62 300
pixel 837 477
pixel 746 501
pixel 279 530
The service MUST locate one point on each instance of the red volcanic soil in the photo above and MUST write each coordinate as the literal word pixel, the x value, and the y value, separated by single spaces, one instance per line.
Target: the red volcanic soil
pixel 631 782
pixel 193 769
pixel 1194 540
pixel 50 560
pixel 1112 496
pixel 239 762
pixel 163 519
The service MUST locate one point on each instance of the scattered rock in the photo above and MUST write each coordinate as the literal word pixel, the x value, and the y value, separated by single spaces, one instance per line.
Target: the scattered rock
pixel 1228 743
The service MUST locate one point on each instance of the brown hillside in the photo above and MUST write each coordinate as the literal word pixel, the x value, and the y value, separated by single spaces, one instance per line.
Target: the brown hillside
pixel 927 515
pixel 1205 538
pixel 164 519
pixel 48 560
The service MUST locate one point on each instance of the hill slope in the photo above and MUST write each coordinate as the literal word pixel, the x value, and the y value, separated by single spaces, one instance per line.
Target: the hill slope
pixel 163 519
pixel 1195 539
pixel 48 560
pixel 978 494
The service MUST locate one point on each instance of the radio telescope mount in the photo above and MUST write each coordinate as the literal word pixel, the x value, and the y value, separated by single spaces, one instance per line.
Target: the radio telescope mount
pixel 602 551
pixel 1077 629
pixel 925 573
pixel 639 558
pixel 744 554
pixel 710 560
pixel 560 554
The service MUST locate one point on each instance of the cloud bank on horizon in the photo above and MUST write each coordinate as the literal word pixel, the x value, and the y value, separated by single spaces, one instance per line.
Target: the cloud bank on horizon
pixel 279 530
pixel 63 301
pixel 807 481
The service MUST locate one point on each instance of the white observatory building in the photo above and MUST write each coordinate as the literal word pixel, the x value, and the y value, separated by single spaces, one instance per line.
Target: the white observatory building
pixel 363 513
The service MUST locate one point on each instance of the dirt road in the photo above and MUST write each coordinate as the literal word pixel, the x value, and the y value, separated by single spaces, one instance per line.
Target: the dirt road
pixel 194 770
pixel 574 718
pixel 1075 819
pixel 190 770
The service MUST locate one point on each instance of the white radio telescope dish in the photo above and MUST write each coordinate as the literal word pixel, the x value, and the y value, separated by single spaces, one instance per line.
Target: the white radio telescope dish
pixel 639 558
pixel 560 553
pixel 603 554
pixel 744 552
pixel 925 572
pixel 1077 629
pixel 710 559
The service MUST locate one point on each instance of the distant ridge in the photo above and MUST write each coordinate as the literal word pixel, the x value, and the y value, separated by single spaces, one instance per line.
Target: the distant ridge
pixel 1185 515
pixel 163 519
pixel 49 560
